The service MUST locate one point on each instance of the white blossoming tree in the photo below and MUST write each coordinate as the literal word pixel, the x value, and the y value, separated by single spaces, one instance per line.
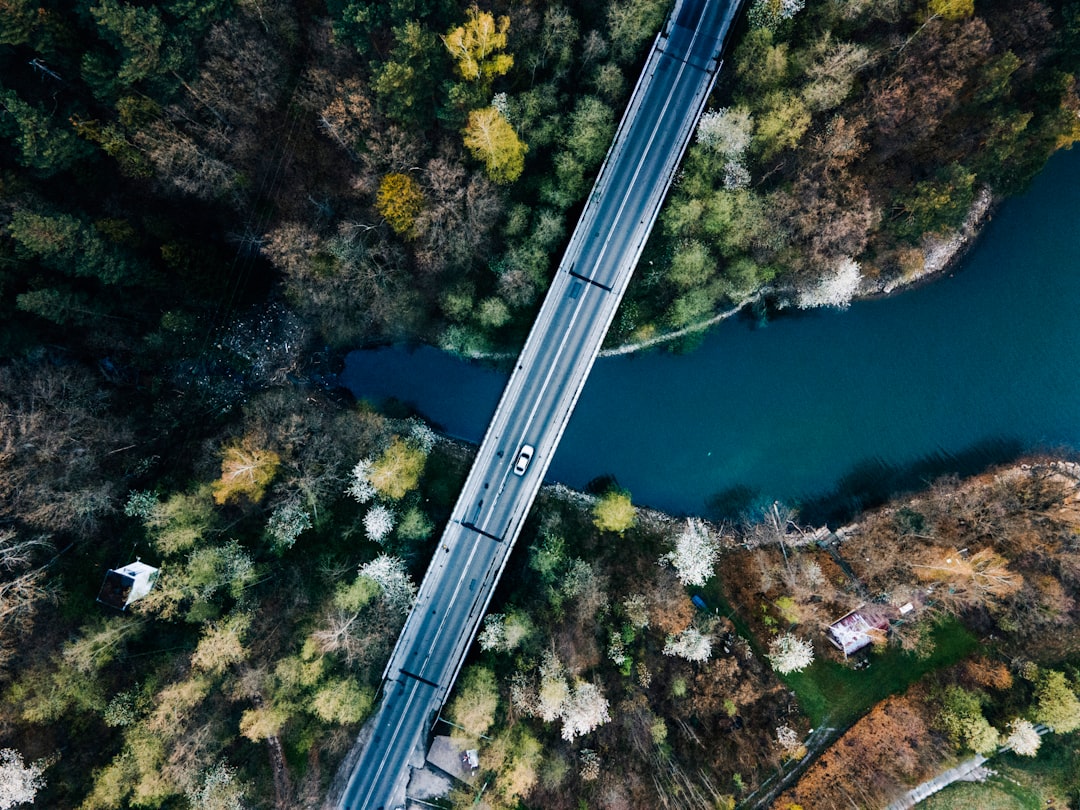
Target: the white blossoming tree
pixel 505 632
pixel 637 610
pixel 736 175
pixel 501 102
pixel 581 706
pixel 1022 738
pixel 287 522
pixel 695 554
pixel 585 709
pixel 493 634
pixel 788 740
pixel 393 580
pixel 421 434
pixel 219 790
pixel 360 487
pixel 835 288
pixel 727 131
pixel 789 653
pixel 378 523
pixel 617 650
pixel 19 783
pixel 590 765
pixel 691 644
pixel 770 13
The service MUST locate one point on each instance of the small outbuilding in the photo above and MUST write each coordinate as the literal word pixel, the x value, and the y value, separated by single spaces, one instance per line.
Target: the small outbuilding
pixel 447 757
pixel 122 586
pixel 856 630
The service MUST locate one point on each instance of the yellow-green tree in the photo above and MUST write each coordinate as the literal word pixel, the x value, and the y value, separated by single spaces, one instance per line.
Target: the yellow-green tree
pixel 492 140
pixel 245 470
pixel 938 204
pixel 476 46
pixel 342 701
pixel 515 756
pixel 180 521
pixel 614 512
pixel 265 721
pixel 222 645
pixel 397 470
pixel 952 9
pixel 475 705
pixel 400 202
pixel 783 121
pixel 1056 704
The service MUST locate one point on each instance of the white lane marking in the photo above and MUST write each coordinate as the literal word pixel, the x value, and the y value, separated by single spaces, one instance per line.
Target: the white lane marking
pixel 630 190
pixel 408 704
pixel 393 738
pixel 558 355
pixel 645 153
pixel 547 380
pixel 453 599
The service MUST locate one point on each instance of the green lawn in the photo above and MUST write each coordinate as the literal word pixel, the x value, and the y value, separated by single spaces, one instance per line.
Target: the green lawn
pixel 1054 773
pixel 996 793
pixel 1049 780
pixel 827 690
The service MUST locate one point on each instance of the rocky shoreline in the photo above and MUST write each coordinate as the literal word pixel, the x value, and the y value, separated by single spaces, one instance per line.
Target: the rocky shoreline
pixel 941 252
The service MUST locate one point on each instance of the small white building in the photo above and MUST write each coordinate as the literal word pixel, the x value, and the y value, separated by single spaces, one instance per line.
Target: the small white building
pixel 122 586
pixel 856 630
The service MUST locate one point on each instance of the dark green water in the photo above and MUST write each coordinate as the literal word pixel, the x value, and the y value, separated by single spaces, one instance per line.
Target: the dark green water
pixel 828 408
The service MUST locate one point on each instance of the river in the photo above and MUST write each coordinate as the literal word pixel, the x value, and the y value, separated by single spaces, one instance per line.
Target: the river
pixel 829 409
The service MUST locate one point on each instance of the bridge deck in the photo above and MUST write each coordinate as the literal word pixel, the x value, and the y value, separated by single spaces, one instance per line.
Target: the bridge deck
pixel 542 392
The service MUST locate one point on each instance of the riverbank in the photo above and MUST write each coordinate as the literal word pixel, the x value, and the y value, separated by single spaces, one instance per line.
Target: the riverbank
pixel 945 251
pixel 941 253
pixel 969 368
pixel 770 578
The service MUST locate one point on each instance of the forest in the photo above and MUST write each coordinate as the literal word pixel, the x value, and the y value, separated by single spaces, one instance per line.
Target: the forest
pixel 410 171
pixel 693 660
pixel 204 203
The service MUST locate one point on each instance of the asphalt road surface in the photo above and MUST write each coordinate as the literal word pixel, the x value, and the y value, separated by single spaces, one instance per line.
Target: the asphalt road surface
pixel 541 393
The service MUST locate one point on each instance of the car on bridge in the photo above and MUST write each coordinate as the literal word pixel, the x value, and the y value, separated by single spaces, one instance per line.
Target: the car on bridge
pixel 523 459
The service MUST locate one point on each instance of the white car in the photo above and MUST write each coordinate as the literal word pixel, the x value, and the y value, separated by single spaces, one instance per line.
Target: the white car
pixel 523 459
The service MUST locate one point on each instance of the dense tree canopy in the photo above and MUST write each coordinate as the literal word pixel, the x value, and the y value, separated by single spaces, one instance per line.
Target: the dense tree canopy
pixel 203 202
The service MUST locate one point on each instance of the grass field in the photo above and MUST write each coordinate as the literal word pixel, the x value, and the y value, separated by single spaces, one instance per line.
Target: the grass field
pixel 828 690
pixel 996 793
pixel 1049 781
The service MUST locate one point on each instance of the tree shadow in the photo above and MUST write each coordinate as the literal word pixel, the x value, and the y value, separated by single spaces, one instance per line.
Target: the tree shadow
pixel 874 481
pixel 734 504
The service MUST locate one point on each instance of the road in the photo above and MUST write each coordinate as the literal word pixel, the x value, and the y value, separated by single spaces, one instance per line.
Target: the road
pixel 541 393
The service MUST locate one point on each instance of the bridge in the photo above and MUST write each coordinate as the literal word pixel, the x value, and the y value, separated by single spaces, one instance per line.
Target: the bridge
pixel 541 394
